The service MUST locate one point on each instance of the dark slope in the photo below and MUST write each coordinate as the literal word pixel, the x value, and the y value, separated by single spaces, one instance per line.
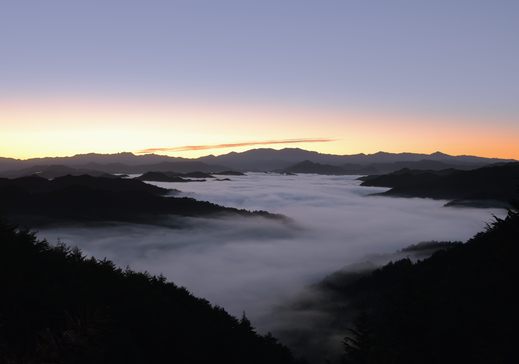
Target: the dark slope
pixel 11 163
pixel 54 171
pixel 173 176
pixel 230 173
pixel 309 167
pixel 425 164
pixel 59 307
pixel 317 168
pixel 110 163
pixel 318 318
pixel 178 167
pixel 160 177
pixel 487 186
pixel 35 200
pixel 91 160
pixel 458 306
pixel 197 174
pixel 372 168
pixel 35 184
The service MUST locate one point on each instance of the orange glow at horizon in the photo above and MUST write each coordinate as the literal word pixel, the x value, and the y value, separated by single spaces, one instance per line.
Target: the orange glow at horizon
pixel 39 128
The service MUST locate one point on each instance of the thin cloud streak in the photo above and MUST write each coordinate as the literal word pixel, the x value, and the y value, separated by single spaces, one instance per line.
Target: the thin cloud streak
pixel 186 148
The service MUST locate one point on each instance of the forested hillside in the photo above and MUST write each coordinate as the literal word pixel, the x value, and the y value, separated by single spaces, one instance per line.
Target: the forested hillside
pixel 59 307
pixel 458 306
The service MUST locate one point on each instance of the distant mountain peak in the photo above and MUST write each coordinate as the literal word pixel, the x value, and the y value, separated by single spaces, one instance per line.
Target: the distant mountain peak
pixel 129 154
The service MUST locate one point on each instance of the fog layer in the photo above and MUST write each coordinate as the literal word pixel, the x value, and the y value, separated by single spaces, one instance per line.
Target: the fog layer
pixel 255 265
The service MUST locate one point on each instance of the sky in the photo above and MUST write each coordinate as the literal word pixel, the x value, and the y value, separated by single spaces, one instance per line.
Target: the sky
pixel 336 76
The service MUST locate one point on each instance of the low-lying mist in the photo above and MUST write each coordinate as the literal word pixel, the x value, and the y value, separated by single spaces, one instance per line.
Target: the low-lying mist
pixel 255 264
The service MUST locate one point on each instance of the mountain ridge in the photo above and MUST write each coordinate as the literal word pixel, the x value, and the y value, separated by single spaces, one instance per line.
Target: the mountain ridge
pixel 34 200
pixel 489 186
pixel 259 160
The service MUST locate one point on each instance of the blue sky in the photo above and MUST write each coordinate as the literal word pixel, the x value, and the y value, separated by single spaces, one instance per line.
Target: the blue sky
pixel 453 58
pixel 430 55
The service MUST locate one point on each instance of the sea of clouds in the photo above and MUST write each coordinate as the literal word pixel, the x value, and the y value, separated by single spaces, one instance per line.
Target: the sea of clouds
pixel 256 264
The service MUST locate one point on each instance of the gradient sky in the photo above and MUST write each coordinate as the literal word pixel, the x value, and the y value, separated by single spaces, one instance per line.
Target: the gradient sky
pixel 112 75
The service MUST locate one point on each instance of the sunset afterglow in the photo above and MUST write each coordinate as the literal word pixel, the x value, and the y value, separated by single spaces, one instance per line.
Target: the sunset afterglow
pixel 90 76
pixel 59 128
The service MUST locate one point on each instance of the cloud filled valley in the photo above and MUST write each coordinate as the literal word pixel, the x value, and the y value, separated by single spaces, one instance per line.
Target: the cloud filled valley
pixel 257 265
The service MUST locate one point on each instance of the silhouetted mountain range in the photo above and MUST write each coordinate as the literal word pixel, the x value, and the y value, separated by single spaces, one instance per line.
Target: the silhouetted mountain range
pixel 487 186
pixel 108 163
pixel 271 159
pixel 36 200
pixel 60 307
pixel 251 160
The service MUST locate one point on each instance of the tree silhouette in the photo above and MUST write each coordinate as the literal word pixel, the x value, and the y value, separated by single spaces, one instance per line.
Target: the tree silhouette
pixel 358 345
pixel 245 323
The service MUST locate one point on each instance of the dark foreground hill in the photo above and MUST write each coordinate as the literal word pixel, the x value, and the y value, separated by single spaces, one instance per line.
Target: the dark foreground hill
pixel 59 307
pixel 34 201
pixel 487 186
pixel 459 305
